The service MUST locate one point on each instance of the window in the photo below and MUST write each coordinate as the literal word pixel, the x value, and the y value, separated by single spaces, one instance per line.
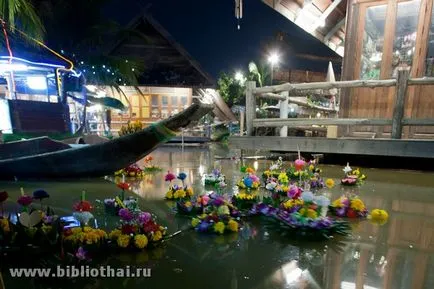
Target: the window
pixel 373 41
pixel 165 100
pixel 155 112
pixel 430 53
pixel 405 35
pixel 174 100
pixel 183 100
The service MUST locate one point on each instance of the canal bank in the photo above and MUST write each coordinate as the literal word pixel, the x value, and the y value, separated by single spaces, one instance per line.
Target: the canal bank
pixel 379 153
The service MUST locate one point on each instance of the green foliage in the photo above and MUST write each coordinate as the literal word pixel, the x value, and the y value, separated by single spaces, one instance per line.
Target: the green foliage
pixel 259 73
pixel 231 90
pixel 21 14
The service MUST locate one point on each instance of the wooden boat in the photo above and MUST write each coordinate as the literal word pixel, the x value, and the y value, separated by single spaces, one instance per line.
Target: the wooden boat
pixel 46 158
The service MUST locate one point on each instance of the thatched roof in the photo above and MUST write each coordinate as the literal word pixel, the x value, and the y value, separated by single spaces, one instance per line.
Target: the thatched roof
pixel 165 61
pixel 324 19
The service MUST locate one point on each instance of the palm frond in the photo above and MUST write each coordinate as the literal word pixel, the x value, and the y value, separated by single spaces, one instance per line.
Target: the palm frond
pixel 21 14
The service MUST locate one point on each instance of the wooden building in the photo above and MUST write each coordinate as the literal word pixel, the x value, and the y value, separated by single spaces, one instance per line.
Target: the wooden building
pixel 376 39
pixel 168 77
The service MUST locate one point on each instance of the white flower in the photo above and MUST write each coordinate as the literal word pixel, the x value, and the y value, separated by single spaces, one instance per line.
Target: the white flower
pixel 83 217
pixel 347 169
pixel 270 186
pixel 274 167
pixel 322 201
pixel 307 196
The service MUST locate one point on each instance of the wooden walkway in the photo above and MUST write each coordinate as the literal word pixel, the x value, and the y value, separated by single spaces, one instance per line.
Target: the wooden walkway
pixel 372 147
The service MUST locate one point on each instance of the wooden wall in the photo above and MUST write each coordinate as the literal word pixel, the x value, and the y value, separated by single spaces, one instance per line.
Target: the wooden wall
pixel 379 102
pixel 38 117
pixel 148 104
pixel 299 76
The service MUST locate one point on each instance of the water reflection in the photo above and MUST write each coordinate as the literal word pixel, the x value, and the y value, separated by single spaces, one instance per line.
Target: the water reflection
pixel 399 254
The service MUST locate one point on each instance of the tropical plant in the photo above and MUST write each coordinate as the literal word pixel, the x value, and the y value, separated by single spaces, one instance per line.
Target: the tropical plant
pixel 21 14
pixel 258 73
pixel 231 90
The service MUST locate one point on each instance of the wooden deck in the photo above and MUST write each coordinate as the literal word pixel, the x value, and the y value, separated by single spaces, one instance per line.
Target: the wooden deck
pixel 368 147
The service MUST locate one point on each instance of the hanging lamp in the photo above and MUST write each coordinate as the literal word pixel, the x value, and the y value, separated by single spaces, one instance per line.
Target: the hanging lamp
pixel 238 12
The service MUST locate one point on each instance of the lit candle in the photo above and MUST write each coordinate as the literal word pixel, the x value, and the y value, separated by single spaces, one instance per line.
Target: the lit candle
pixel 123 178
pixel 83 195
pixel 22 191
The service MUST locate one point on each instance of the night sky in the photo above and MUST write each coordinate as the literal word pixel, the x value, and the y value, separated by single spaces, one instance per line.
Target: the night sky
pixel 208 31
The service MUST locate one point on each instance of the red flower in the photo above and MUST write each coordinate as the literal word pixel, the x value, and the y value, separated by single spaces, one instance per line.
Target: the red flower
pixel 351 213
pixel 128 229
pixel 123 186
pixel 83 206
pixel 67 232
pixel 313 207
pixel 25 200
pixel 148 159
pixel 3 196
pixel 150 226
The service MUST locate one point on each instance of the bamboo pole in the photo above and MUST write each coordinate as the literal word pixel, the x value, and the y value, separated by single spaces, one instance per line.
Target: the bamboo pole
pixel 421 81
pixel 325 85
pixel 284 114
pixel 276 122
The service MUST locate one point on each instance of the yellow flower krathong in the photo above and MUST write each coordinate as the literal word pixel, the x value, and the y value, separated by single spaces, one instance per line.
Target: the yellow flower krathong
pixel 357 204
pixel 86 235
pixel 330 183
pixel 140 241
pixel 233 226
pixel 219 227
pixel 4 225
pixel 378 216
pixel 123 241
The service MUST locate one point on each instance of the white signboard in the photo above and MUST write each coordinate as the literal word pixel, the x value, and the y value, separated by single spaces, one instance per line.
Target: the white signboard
pixel 5 117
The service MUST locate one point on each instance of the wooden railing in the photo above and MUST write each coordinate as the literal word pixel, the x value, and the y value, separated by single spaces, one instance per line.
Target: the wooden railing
pixel 290 92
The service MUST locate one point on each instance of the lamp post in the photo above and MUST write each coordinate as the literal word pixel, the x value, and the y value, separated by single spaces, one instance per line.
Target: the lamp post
pixel 239 76
pixel 273 59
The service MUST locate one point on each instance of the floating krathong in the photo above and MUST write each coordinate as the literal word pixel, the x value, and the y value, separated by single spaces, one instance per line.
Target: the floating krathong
pixel 352 177
pixel 304 223
pixel 138 230
pixel 378 217
pixel 132 171
pixel 176 192
pixel 250 181
pixel 206 204
pixel 82 210
pixel 215 222
pixel 349 206
pixel 273 171
pixel 245 200
pixel 215 178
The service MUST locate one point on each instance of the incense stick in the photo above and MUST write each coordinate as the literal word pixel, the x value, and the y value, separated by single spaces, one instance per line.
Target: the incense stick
pixel 2 284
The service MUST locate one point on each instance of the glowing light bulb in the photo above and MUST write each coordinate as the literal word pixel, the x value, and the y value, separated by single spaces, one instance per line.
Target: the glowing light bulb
pixel 37 82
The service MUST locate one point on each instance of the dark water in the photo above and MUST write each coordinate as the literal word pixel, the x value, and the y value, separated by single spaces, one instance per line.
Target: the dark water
pixel 399 254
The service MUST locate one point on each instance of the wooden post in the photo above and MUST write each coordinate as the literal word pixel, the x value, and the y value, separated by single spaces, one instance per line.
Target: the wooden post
pixel 284 113
pixel 242 122
pixel 250 107
pixel 398 111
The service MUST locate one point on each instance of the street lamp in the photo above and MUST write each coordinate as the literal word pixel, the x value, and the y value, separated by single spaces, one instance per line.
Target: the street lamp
pixel 239 76
pixel 273 59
